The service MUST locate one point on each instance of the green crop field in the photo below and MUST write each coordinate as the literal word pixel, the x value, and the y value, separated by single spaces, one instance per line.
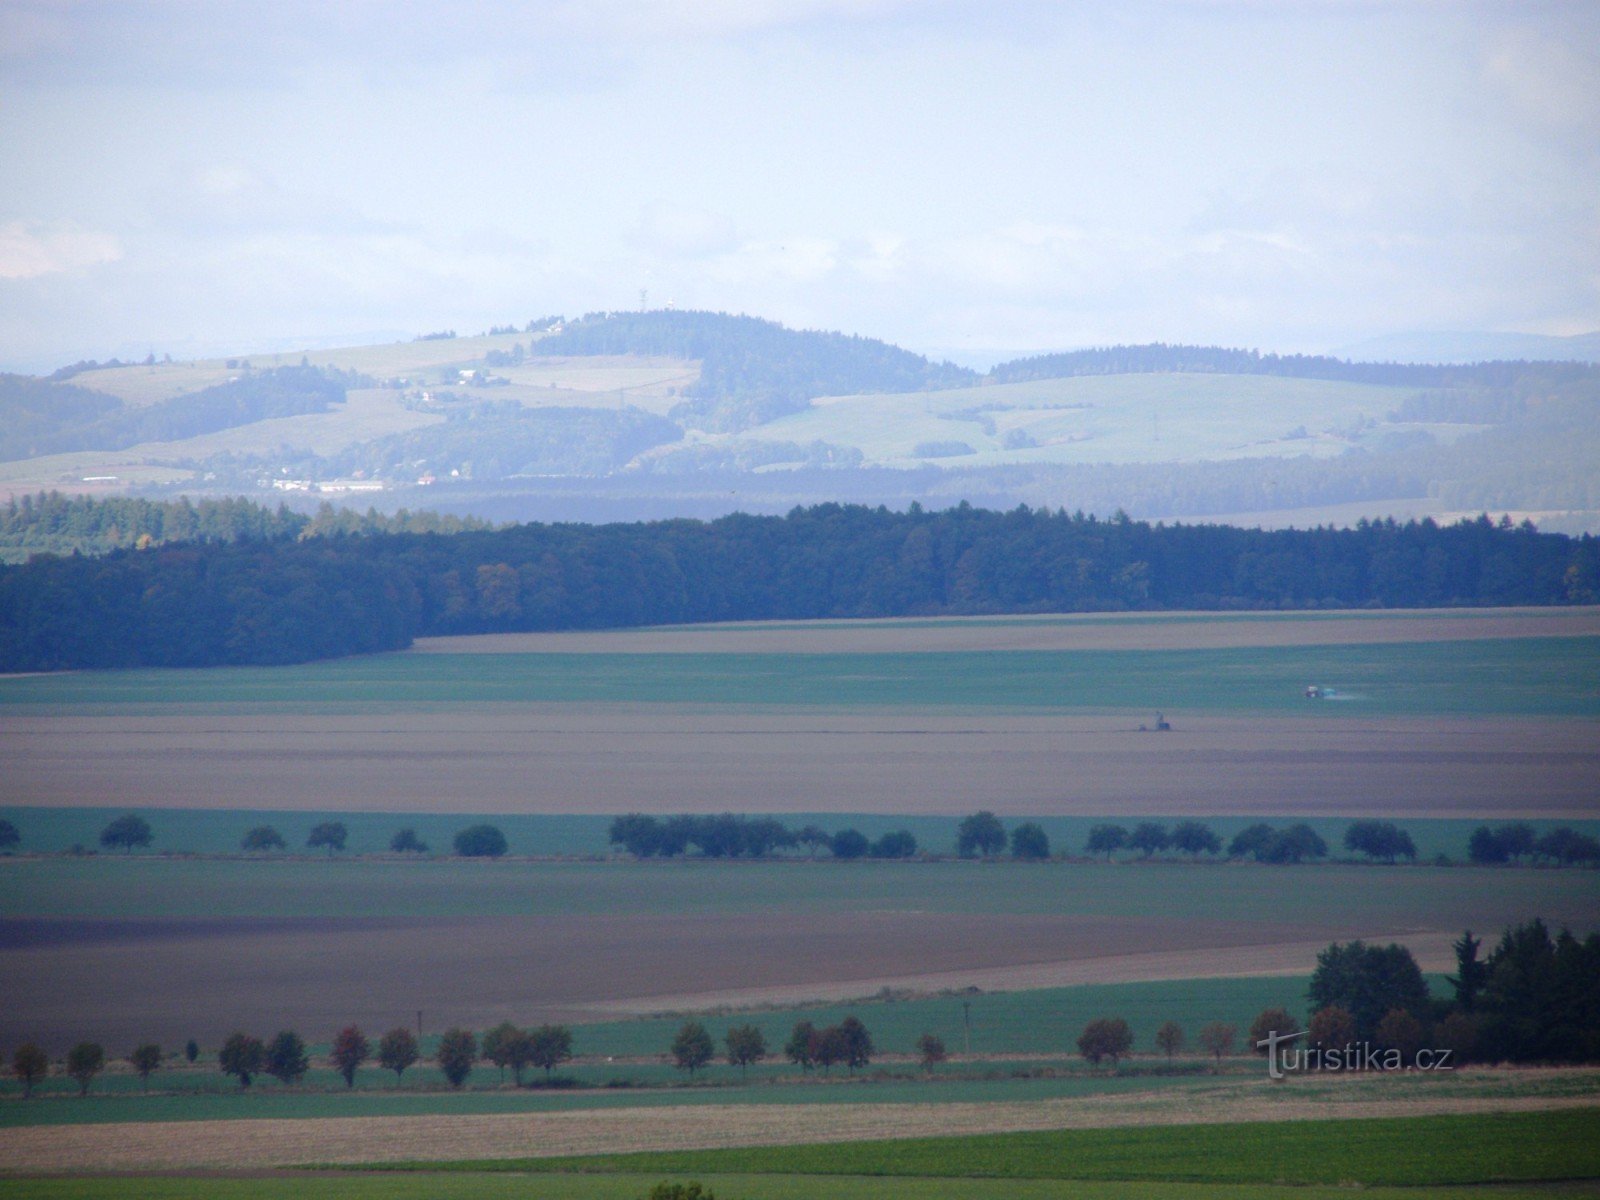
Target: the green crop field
pixel 1108 419
pixel 1412 897
pixel 1399 1152
pixel 458 1186
pixel 1544 677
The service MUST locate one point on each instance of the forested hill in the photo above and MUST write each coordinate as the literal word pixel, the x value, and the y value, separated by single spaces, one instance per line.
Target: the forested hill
pixel 1214 360
pixel 283 601
pixel 753 370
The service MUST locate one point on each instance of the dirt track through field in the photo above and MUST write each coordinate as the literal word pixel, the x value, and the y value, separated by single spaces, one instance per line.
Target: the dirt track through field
pixel 192 1145
pixel 1099 631
pixel 555 758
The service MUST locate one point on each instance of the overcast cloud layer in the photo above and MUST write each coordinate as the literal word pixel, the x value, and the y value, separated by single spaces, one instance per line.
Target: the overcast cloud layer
pixel 201 177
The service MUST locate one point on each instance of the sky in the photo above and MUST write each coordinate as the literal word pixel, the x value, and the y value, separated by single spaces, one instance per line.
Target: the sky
pixel 969 179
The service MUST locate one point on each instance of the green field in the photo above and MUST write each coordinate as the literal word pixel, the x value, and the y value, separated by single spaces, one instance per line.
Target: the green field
pixel 1108 419
pixel 1538 677
pixel 1396 1152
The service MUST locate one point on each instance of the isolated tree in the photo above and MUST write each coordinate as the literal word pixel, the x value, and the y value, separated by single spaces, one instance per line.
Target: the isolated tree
pixel 639 835
pixel 407 842
pixel 849 843
pixel 29 1064
pixel 1030 843
pixel 1106 839
pixel 858 1048
pixel 1149 838
pixel 550 1046
pixel 126 833
pixel 1169 1039
pixel 800 1049
pixel 1472 973
pixel 191 1051
pixel 84 1062
pixel 931 1051
pixel 498 1044
pixel 397 1050
pixel 145 1059
pixel 692 1048
pixel 350 1050
pixel 1271 1021
pixel 242 1055
pixel 1331 1028
pixel 261 839
pixel 898 843
pixel 480 841
pixel 9 837
pixel 1379 839
pixel 1216 1039
pixel 1368 981
pixel 331 834
pixel 1400 1031
pixel 458 1050
pixel 1194 838
pixel 746 1045
pixel 286 1059
pixel 1107 1037
pixel 981 834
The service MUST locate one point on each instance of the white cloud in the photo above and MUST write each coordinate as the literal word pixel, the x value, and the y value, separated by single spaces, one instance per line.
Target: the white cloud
pixel 30 249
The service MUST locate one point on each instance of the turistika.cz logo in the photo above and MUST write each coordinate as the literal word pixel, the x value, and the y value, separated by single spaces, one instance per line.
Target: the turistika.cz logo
pixel 1283 1059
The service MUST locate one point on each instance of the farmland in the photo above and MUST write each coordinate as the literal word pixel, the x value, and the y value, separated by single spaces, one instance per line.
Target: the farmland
pixel 1447 720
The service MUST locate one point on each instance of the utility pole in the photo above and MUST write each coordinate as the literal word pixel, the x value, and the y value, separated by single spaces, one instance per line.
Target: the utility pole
pixel 966 1020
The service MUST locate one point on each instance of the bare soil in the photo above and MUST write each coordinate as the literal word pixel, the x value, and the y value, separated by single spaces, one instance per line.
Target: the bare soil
pixel 551 758
pixel 204 981
pixel 198 1145
pixel 1097 631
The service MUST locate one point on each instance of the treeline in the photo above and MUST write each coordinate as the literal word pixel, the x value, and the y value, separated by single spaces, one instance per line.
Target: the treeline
pixel 51 523
pixel 1158 357
pixel 285 601
pixel 752 370
pixel 40 417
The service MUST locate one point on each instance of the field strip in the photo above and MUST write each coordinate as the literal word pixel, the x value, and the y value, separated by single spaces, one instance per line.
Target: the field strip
pixel 1097 631
pixel 276 1143
pixel 1432 951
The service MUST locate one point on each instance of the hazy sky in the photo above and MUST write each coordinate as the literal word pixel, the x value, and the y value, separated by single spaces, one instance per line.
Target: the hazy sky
pixel 207 176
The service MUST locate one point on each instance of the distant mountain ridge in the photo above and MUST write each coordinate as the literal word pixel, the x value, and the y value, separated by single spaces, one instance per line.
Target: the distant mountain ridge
pixel 1456 348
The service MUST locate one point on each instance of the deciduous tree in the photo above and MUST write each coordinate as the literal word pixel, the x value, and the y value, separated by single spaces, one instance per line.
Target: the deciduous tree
pixel 849 843
pixel 1368 981
pixel 800 1049
pixel 9 837
pixel 286 1059
pixel 1216 1039
pixel 126 832
pixel 1149 838
pixel 980 834
pixel 84 1062
pixel 480 841
pixel 331 834
pixel 29 1064
pixel 550 1046
pixel 931 1051
pixel 407 842
pixel 458 1050
pixel 1106 839
pixel 746 1045
pixel 1402 1032
pixel 1194 838
pixel 144 1060
pixel 1331 1028
pixel 1107 1037
pixel 397 1050
pixel 242 1055
pixel 1379 839
pixel 1169 1039
pixel 261 839
pixel 350 1050
pixel 1030 843
pixel 1271 1021
pixel 692 1048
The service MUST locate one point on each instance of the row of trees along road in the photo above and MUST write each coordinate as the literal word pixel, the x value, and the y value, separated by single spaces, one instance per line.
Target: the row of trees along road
pixel 981 835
